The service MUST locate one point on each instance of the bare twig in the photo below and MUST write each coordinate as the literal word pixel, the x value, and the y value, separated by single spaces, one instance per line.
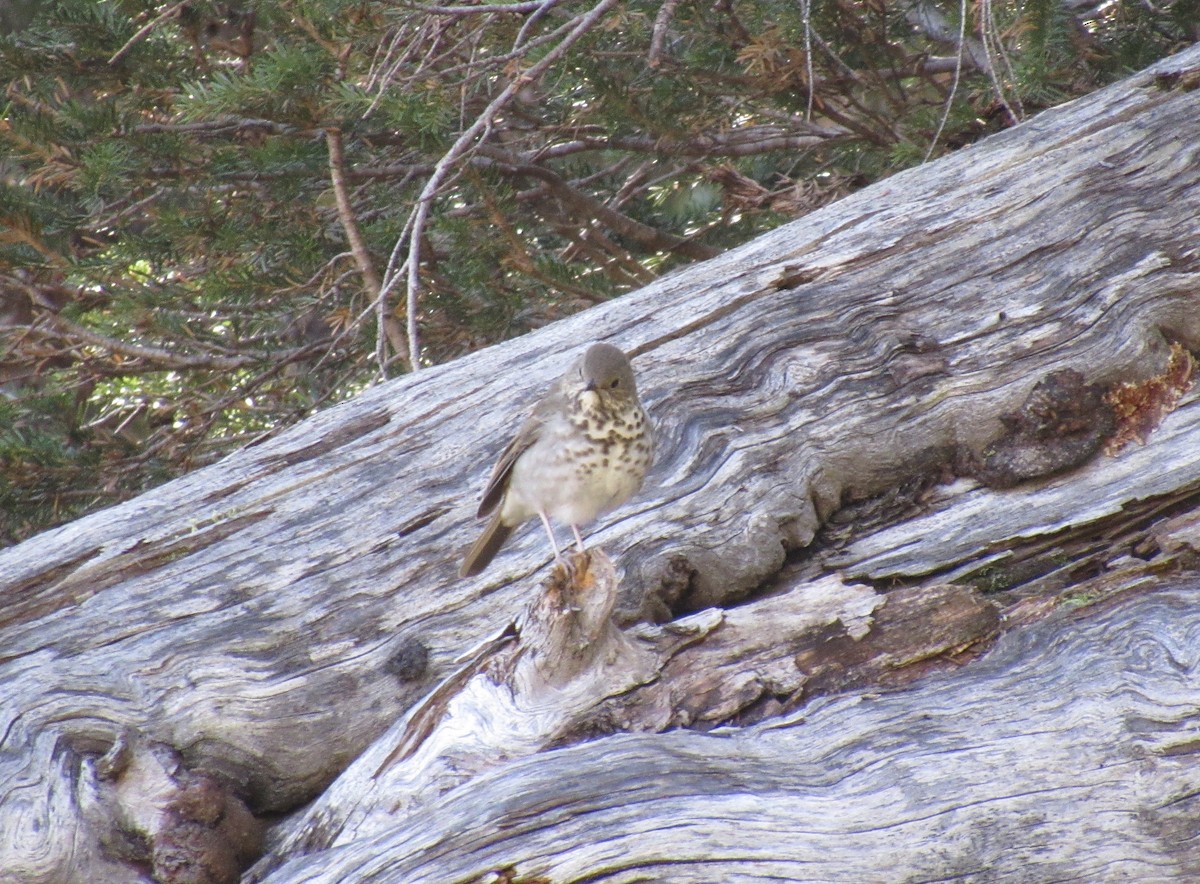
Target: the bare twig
pixel 388 327
pixel 170 12
pixel 990 34
pixel 544 7
pixel 662 23
pixel 482 124
pixel 962 35
pixel 482 9
pixel 221 126
pixel 806 13
pixel 933 24
pixel 746 141
pixel 154 355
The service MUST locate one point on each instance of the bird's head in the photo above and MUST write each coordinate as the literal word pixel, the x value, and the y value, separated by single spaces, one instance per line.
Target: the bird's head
pixel 604 377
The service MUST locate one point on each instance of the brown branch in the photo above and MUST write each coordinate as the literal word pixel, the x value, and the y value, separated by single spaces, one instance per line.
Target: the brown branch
pixel 142 33
pixel 358 247
pixel 49 322
pixel 156 355
pixel 221 126
pixel 662 22
pixel 337 175
pixel 616 263
pixel 525 263
pixel 739 143
pixel 586 206
pixel 747 141
pixel 482 9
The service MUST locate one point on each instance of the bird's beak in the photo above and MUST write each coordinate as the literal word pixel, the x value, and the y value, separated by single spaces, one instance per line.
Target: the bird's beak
pixel 590 388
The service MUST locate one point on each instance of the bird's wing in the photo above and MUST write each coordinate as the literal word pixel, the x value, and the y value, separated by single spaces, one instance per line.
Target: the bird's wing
pixel 526 436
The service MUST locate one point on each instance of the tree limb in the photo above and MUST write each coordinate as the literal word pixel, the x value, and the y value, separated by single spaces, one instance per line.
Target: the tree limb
pixel 389 328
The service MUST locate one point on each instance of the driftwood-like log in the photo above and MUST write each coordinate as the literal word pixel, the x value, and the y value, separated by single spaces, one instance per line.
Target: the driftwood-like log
pixel 1067 754
pixel 563 672
pixel 898 404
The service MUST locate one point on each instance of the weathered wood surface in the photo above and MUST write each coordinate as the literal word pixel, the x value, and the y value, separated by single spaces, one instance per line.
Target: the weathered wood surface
pixel 271 616
pixel 1069 753
pixel 564 673
pixel 758 661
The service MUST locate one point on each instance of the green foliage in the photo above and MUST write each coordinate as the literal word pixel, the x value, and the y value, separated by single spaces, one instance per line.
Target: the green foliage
pixel 176 270
pixel 289 86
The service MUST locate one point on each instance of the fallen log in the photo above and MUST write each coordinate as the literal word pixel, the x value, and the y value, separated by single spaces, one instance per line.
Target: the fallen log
pixel 878 405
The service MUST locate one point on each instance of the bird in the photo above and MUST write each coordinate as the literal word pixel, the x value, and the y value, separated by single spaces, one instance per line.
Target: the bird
pixel 583 450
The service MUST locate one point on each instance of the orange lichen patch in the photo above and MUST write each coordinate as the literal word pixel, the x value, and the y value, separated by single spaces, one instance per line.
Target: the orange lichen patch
pixel 1141 407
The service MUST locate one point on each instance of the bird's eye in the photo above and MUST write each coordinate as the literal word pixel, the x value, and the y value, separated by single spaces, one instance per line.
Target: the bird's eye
pixel 616 382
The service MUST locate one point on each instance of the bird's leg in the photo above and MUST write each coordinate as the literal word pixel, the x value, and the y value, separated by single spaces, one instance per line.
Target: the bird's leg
pixel 553 541
pixel 580 561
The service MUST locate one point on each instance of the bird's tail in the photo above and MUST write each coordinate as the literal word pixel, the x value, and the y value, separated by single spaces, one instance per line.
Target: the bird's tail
pixel 485 548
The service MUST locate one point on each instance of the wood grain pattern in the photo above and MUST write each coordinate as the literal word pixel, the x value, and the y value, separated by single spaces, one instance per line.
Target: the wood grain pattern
pixel 270 617
pixel 1068 754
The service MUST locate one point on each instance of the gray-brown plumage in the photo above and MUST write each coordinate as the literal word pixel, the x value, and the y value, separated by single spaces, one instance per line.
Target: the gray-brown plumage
pixel 583 450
